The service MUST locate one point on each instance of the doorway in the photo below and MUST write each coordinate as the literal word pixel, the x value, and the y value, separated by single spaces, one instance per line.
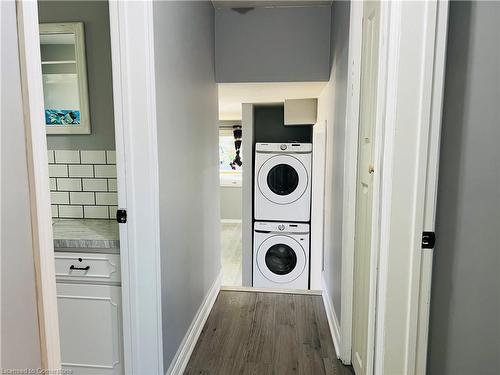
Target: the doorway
pixel 76 73
pixel 236 163
pixel 230 169
pixel 142 353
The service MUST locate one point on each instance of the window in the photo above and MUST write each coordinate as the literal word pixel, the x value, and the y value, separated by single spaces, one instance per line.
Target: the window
pixel 227 153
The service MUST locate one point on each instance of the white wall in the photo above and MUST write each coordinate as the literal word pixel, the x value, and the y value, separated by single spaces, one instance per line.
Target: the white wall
pixel 230 202
pixel 20 343
pixel 188 162
pixel 280 44
pixel 332 108
pixel 464 335
pixel 318 190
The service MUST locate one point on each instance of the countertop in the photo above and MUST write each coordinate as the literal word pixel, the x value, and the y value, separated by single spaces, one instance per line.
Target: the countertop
pixel 85 235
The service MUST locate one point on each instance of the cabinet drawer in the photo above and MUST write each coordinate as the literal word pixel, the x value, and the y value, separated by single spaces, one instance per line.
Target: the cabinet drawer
pixel 88 267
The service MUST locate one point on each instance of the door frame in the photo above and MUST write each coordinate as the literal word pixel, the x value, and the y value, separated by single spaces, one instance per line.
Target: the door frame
pixel 397 19
pixel 431 186
pixel 131 29
pixel 415 59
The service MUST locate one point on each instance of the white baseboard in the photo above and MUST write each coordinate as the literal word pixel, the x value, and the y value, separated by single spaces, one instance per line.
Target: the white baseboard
pixel 230 221
pixel 333 320
pixel 188 343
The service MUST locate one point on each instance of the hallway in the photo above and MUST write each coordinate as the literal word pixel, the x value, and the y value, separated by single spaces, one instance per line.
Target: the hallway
pixel 266 333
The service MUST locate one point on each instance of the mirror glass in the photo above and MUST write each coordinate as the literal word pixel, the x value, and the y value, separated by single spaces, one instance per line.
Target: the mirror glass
pixel 64 79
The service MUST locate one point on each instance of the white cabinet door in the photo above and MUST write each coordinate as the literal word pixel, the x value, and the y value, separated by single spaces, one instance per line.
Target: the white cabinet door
pixel 90 328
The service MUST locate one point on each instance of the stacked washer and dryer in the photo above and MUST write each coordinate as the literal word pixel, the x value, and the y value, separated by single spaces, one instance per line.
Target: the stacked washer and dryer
pixel 282 211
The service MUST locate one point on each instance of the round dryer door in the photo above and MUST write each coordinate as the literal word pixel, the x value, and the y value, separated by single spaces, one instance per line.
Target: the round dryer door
pixel 281 259
pixel 282 179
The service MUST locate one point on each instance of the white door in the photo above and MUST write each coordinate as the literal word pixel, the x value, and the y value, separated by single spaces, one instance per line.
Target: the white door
pixel 90 328
pixel 364 193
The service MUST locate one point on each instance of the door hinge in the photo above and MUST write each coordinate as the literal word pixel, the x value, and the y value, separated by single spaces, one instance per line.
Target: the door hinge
pixel 121 216
pixel 428 240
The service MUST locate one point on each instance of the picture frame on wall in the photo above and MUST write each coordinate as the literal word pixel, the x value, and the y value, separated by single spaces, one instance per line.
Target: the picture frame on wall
pixel 64 76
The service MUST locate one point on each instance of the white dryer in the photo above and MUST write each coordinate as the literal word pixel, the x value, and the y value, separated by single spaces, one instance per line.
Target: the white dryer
pixel 282 189
pixel 281 255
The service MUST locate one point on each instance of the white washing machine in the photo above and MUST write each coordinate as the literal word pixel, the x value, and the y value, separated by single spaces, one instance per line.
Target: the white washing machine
pixel 282 188
pixel 281 255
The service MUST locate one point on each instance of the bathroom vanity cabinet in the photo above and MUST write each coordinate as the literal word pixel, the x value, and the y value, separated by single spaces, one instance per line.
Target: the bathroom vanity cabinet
pixel 88 280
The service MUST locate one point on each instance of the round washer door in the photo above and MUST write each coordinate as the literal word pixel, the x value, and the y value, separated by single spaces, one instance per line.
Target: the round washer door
pixel 281 259
pixel 282 179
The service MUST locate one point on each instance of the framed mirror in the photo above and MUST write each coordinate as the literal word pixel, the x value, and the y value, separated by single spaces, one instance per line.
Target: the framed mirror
pixel 64 75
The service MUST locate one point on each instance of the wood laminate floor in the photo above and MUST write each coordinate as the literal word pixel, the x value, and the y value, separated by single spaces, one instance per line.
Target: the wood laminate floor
pixel 265 333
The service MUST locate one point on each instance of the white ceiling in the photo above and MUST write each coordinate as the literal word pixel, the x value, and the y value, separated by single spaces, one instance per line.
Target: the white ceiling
pixel 232 95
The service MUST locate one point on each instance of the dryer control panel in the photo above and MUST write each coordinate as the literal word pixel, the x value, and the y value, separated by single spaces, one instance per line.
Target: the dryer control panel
pixel 283 147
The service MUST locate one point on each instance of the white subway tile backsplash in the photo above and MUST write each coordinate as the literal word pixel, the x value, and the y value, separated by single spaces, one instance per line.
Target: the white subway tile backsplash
pixel 69 184
pixel 96 212
pixel 93 157
pixel 52 183
pixel 105 171
pixel 81 170
pixel 112 186
pixel 50 156
pixel 109 199
pixel 95 184
pixel 71 211
pixel 59 197
pixel 112 212
pixel 58 170
pixel 82 198
pixel 83 183
pixel 67 156
pixel 111 157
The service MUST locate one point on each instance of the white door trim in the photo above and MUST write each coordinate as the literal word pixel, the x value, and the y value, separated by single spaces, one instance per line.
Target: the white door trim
pixel 38 176
pixel 132 50
pixel 431 185
pixel 350 175
pixel 414 88
pixel 132 53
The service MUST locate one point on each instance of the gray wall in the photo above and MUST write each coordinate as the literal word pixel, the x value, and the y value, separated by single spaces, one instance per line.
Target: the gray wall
pixel 20 343
pixel 230 202
pixel 335 138
pixel 282 44
pixel 188 136
pixel 95 16
pixel 465 302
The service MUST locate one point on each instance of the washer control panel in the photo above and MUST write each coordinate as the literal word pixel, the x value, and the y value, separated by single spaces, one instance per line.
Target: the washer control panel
pixel 281 227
